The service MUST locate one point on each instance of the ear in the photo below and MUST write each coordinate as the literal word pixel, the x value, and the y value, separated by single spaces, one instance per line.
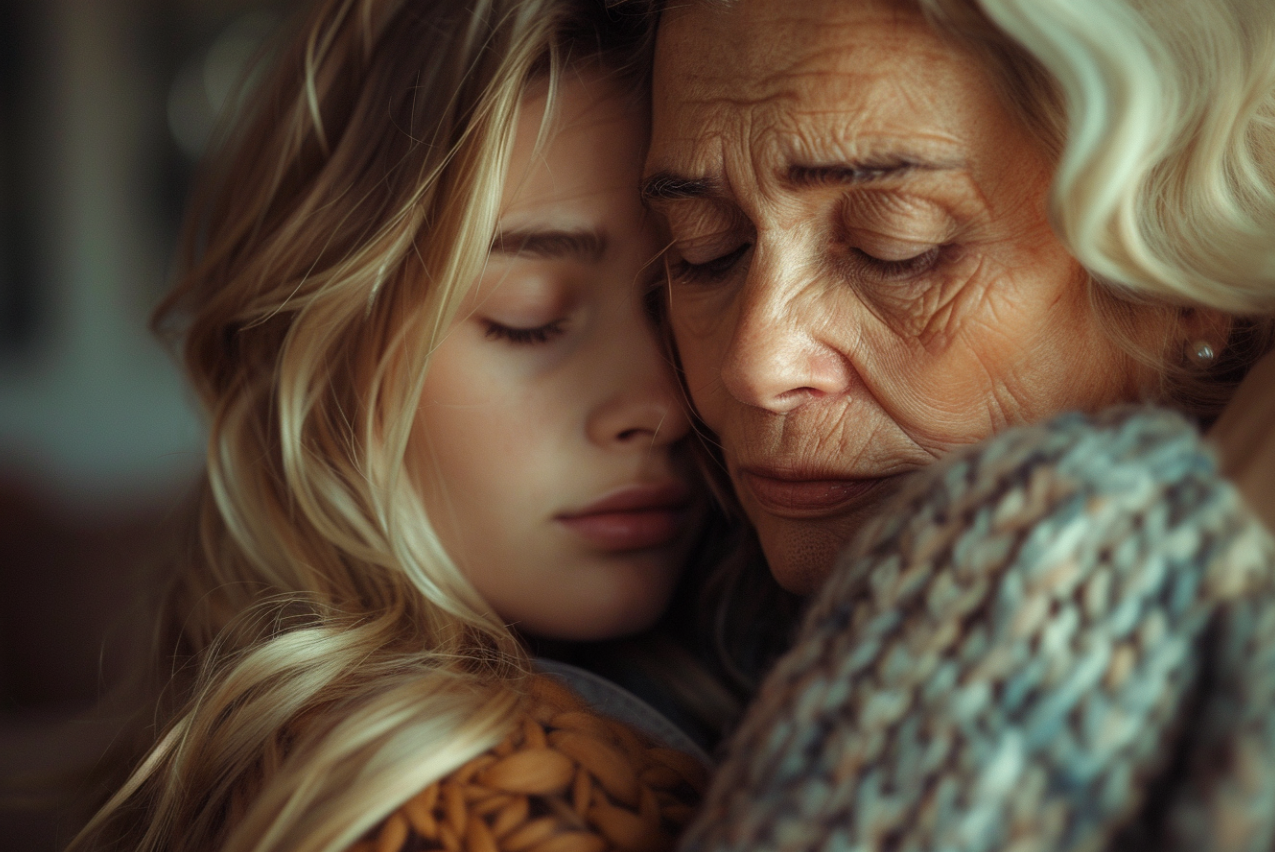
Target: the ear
pixel 1205 325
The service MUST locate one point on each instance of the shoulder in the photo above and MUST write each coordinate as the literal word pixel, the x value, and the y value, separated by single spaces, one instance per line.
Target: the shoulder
pixel 565 778
pixel 1045 623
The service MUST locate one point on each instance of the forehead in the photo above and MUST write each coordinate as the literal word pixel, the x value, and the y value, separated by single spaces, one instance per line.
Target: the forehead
pixel 593 146
pixel 808 81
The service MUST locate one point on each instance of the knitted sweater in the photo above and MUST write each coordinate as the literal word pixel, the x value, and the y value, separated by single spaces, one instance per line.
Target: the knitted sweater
pixel 1060 640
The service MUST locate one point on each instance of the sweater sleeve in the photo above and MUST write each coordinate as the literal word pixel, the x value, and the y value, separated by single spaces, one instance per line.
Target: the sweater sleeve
pixel 566 779
pixel 1062 639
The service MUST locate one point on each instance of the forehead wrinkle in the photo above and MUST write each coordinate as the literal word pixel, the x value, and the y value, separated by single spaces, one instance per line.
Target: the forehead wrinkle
pixel 793 115
pixel 752 28
pixel 832 59
pixel 829 78
pixel 816 130
pixel 829 43
pixel 873 95
pixel 729 97
pixel 698 159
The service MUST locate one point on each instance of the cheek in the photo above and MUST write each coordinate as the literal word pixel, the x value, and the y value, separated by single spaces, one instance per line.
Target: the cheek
pixel 1011 348
pixel 476 429
pixel 701 346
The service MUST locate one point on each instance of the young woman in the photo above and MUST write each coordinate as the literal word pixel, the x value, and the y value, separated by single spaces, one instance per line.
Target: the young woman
pixel 412 305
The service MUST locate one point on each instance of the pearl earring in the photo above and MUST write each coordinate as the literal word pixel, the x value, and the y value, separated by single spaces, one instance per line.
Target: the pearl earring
pixel 1201 354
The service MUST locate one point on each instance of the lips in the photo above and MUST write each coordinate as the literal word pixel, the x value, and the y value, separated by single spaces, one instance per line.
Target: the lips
pixel 812 494
pixel 634 517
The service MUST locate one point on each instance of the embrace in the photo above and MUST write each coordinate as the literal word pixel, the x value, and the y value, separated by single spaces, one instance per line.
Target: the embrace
pixel 517 322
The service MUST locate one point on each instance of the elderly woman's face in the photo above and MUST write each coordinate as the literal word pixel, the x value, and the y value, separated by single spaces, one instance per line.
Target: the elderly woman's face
pixel 862 271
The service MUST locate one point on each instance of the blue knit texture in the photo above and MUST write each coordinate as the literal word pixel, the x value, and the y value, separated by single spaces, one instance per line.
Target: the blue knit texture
pixel 1060 640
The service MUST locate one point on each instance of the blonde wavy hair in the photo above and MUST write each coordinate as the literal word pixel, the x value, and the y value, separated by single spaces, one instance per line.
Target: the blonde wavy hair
pixel 1161 114
pixel 328 659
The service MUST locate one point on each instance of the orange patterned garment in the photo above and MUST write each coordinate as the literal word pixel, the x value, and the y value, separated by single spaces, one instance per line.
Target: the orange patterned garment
pixel 565 780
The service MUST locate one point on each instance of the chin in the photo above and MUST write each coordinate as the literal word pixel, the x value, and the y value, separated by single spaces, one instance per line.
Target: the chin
pixel 800 555
pixel 618 602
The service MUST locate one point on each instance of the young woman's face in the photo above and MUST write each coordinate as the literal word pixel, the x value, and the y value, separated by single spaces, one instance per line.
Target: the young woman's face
pixel 549 413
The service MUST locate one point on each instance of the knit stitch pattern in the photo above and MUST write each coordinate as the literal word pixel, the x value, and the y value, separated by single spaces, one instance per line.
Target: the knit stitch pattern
pixel 1060 640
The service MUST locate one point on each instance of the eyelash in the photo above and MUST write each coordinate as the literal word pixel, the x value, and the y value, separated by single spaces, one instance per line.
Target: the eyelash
pixel 883 270
pixel 524 336
pixel 896 270
pixel 711 270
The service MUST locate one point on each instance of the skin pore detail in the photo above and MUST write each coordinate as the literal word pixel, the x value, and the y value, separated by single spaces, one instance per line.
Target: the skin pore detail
pixel 548 436
pixel 861 278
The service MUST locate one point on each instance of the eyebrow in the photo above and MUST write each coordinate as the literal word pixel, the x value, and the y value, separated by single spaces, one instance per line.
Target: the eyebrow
pixel 667 186
pixel 587 246
pixel 670 186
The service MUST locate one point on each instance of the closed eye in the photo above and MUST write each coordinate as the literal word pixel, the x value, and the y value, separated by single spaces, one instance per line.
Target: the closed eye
pixel 524 336
pixel 710 270
pixel 901 269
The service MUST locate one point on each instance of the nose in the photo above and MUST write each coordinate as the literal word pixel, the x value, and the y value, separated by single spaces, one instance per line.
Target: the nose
pixel 642 407
pixel 779 356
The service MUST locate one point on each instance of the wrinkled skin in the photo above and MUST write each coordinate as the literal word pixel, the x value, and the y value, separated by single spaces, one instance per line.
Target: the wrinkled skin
pixel 862 271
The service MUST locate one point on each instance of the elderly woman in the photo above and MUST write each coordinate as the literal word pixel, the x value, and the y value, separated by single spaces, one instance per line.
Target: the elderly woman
pixel 900 228
pixel 897 230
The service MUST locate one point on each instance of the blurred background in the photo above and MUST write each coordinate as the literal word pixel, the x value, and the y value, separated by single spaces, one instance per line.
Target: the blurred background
pixel 105 107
